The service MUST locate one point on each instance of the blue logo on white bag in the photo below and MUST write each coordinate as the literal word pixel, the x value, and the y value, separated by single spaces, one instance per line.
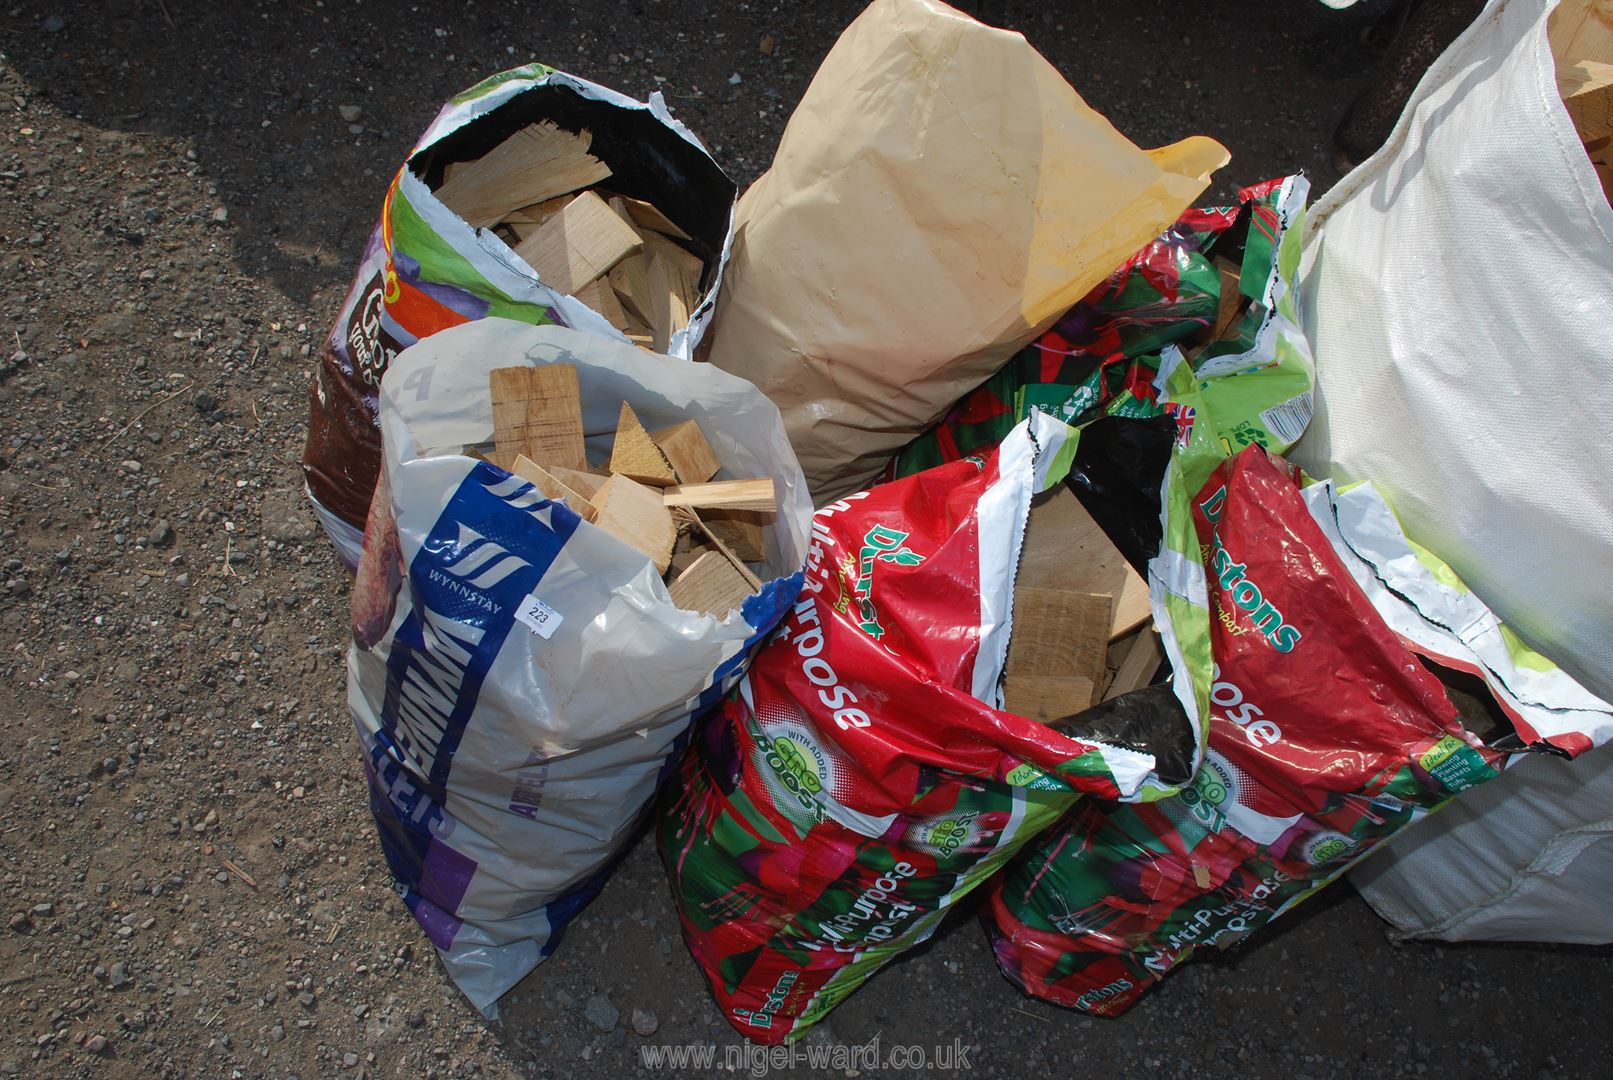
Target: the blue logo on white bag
pixel 487 551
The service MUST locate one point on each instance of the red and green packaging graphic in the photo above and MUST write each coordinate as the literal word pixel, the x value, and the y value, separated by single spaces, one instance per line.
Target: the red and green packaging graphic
pixel 1103 356
pixel 861 780
pixel 1326 737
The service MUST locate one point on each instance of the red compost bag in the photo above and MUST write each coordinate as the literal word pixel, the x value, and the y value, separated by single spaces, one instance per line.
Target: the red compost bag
pixel 861 779
pixel 1327 736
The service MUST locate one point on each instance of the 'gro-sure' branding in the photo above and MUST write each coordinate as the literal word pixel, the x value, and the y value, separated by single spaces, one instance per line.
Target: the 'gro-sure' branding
pixel 1244 593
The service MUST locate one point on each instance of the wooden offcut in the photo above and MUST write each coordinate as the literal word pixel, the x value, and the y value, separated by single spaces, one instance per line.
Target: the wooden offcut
pixel 740 530
pixel 1229 301
pixel 630 279
pixel 684 514
pixel 712 584
pixel 1138 664
pixel 1065 549
pixel 537 213
pixel 551 487
pixel 1587 92
pixel 646 216
pixel 578 245
pixel 585 483
pixel 535 164
pixel 635 515
pixel 635 455
pixel 1581 30
pixel 756 494
pixel 599 296
pixel 685 446
pixel 669 312
pixel 1047 698
pixel 537 411
pixel 1059 632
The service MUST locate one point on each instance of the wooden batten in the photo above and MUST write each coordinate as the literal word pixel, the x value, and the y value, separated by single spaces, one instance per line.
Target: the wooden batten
pixel 537 411
pixel 578 245
pixel 635 515
pixel 756 494
pixel 537 163
pixel 685 446
pixel 635 455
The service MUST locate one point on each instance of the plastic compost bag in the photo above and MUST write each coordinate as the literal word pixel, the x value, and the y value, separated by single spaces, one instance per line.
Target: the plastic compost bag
pixel 1101 358
pixel 862 778
pixel 520 678
pixel 1300 778
pixel 425 269
pixel 939 196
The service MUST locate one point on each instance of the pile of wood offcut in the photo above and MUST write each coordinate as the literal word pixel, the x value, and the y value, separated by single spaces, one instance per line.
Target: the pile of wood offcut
pixel 620 256
pixel 659 491
pixel 1082 629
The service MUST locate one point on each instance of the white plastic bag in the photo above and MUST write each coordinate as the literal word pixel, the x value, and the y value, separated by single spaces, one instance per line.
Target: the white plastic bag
pixel 534 678
pixel 1455 289
pixel 1528 856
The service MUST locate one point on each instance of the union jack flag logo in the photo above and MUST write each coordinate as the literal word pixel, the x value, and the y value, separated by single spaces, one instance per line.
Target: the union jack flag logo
pixel 1184 421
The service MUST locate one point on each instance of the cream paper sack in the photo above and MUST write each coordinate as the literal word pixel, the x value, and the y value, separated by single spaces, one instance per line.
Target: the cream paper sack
pixel 940 195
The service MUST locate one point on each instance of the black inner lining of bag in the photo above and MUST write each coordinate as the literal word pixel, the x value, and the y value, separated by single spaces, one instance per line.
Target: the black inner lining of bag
pixel 1480 712
pixel 1149 720
pixel 1119 466
pixel 647 159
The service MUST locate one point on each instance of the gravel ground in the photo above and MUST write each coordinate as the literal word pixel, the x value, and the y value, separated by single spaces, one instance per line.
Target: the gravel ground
pixel 188 876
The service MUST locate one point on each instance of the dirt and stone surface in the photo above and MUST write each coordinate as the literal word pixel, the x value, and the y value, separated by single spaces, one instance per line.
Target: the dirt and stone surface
pixel 189 880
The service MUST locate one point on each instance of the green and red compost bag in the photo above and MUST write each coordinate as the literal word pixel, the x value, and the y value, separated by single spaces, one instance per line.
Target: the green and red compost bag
pixel 862 778
pixel 1209 284
pixel 1328 734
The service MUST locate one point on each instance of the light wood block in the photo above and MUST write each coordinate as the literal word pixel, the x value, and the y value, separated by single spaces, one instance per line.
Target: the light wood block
pixel 1047 698
pixel 685 446
pixel 635 455
pixel 754 494
pixel 578 245
pixel 1065 549
pixel 712 584
pixel 537 412
pixel 536 164
pixel 635 515
pixel 551 487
